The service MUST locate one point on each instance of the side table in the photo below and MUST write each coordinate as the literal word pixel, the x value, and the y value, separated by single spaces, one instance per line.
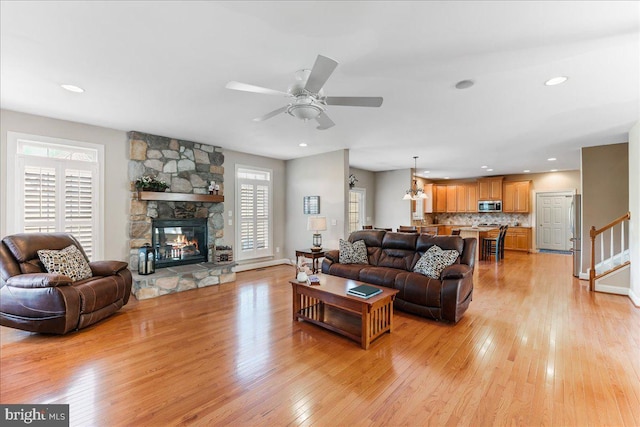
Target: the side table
pixel 315 256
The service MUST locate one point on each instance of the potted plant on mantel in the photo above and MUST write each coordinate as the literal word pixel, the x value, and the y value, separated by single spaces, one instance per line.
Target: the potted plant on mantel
pixel 151 183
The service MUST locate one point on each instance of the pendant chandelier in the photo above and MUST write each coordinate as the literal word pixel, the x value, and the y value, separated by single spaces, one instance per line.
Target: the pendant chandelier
pixel 414 193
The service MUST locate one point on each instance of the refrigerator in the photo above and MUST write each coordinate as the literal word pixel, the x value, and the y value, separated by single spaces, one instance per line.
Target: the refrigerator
pixel 575 214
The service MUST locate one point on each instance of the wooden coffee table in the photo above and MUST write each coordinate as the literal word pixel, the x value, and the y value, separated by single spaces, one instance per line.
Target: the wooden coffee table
pixel 328 305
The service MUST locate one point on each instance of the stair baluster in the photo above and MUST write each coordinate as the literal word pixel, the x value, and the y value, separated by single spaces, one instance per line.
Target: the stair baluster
pixel 593 274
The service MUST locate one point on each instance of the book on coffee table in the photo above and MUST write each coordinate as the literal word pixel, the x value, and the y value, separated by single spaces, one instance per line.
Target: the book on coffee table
pixel 364 291
pixel 313 280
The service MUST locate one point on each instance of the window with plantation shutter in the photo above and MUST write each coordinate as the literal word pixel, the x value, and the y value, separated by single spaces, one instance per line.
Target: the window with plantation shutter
pixel 254 223
pixel 55 186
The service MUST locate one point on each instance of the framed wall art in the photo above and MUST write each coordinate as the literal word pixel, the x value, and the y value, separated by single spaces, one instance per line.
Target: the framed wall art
pixel 311 205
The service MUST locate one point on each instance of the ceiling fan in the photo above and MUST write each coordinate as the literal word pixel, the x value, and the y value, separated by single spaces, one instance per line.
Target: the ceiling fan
pixel 309 101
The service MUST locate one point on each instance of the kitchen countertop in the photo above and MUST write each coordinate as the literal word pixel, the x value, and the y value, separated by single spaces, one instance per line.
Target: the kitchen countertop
pixel 479 229
pixel 471 227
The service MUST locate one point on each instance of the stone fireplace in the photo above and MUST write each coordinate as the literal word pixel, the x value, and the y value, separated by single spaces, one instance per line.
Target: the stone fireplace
pixel 188 168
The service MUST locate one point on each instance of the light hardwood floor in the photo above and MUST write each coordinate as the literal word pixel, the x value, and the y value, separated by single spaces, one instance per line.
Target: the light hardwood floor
pixel 534 348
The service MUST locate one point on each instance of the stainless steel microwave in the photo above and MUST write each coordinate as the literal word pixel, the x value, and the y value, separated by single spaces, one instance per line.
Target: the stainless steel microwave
pixel 489 206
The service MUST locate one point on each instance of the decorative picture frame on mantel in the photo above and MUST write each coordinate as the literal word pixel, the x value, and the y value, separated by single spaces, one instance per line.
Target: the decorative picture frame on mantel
pixel 311 205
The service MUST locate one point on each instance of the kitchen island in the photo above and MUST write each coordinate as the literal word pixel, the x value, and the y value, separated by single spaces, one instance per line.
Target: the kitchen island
pixel 478 233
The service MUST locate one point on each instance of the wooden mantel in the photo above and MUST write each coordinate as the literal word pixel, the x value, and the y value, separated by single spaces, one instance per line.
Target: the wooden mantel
pixel 180 197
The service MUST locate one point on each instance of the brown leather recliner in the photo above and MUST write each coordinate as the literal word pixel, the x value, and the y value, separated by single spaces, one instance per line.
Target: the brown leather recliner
pixel 34 300
pixel 392 257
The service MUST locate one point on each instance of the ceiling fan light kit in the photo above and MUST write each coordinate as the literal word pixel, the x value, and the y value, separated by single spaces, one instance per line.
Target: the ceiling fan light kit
pixel 310 102
pixel 304 108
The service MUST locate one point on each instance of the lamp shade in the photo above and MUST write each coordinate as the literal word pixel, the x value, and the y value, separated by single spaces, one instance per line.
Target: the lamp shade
pixel 317 223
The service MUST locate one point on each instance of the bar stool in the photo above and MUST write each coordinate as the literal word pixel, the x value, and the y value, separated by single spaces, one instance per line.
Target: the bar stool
pixel 504 234
pixel 491 245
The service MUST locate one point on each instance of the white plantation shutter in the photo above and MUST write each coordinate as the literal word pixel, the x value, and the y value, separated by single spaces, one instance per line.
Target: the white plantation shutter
pixel 56 188
pixel 254 213
pixel 39 199
pixel 246 217
pixel 262 217
pixel 78 207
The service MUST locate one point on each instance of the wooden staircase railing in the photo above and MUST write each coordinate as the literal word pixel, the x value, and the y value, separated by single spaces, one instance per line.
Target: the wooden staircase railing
pixel 600 232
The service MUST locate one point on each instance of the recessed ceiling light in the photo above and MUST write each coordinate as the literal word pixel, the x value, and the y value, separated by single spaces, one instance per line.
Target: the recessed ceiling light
pixel 489 170
pixel 556 80
pixel 483 167
pixel 554 170
pixel 302 144
pixel 72 88
pixel 526 171
pixel 464 84
pixel 552 159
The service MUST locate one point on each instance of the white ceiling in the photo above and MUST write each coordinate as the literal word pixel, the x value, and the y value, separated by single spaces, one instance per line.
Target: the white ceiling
pixel 161 67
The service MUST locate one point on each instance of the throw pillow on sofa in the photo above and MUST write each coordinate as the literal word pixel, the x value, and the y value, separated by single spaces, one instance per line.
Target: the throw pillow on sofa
pixel 69 262
pixel 353 253
pixel 434 261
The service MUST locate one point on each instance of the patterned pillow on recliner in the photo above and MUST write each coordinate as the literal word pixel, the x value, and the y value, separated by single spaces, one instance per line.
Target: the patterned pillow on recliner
pixel 69 262
pixel 434 261
pixel 353 253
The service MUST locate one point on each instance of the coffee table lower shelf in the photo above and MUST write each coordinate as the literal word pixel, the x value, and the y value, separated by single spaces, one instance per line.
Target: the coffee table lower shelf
pixel 359 320
pixel 336 320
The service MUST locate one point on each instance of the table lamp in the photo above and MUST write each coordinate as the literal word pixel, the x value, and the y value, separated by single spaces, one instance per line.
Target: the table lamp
pixel 316 224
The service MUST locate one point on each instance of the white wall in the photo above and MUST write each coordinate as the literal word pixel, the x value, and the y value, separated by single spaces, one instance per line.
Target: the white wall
pixel 233 158
pixel 367 181
pixel 634 208
pixel 605 191
pixel 323 175
pixel 116 185
pixel 390 210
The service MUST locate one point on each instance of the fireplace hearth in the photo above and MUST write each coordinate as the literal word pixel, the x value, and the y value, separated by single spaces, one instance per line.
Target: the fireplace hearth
pixel 179 241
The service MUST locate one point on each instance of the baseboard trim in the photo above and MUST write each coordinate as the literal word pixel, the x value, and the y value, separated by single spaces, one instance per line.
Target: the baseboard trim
pixel 261 264
pixel 583 276
pixel 635 299
pixel 612 289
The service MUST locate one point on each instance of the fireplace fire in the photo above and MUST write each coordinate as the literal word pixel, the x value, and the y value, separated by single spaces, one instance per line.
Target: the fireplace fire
pixel 179 241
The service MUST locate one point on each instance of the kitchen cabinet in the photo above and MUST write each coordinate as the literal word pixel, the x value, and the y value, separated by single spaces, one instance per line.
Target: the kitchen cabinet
pixel 515 196
pixel 429 203
pixel 518 239
pixel 444 230
pixel 467 197
pixel 440 198
pixel 452 198
pixel 490 188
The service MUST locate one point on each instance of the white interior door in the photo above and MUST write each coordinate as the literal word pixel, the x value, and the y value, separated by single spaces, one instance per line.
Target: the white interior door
pixel 356 209
pixel 552 215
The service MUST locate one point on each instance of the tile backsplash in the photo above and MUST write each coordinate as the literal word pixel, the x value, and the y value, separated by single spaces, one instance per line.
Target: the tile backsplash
pixel 524 220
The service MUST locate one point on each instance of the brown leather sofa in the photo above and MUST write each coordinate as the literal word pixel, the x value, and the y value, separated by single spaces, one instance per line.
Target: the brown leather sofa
pixel 392 257
pixel 34 300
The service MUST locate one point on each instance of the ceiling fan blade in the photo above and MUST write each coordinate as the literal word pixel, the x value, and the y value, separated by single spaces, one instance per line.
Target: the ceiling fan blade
pixel 271 114
pixel 324 121
pixel 354 101
pixel 257 89
pixel 320 73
